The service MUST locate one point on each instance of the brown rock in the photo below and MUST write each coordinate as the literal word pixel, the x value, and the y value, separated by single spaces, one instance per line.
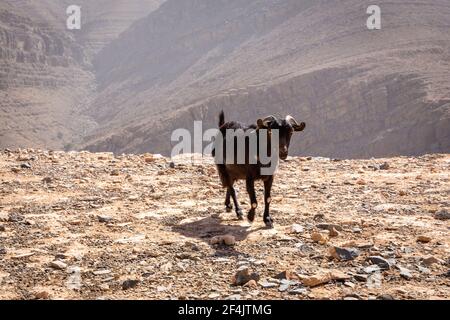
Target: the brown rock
pixel 424 239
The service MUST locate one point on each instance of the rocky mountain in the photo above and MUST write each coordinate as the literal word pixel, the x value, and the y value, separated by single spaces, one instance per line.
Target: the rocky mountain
pixel 140 69
pixel 82 225
pixel 46 74
pixel 361 92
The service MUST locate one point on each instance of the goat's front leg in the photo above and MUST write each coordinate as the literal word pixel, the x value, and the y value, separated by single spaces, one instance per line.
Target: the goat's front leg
pixel 267 187
pixel 250 183
pixel 238 210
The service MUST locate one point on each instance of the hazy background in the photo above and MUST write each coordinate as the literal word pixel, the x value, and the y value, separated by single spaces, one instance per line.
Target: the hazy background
pixel 139 69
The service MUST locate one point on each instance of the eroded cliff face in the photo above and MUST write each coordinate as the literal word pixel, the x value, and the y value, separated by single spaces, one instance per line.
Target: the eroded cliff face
pixel 43 78
pixel 362 93
pixel 46 75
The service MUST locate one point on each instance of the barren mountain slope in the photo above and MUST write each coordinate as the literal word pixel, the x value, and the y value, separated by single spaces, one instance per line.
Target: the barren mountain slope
pixel 361 92
pixel 94 226
pixel 45 70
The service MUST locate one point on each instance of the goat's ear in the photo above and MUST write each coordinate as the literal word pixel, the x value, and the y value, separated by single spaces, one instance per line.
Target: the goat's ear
pixel 265 123
pixel 261 125
pixel 297 126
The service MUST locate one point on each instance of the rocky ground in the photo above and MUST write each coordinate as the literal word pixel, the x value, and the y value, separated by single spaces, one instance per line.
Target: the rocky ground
pixel 95 226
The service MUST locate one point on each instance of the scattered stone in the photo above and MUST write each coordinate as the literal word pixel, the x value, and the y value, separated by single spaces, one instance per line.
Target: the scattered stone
pixel 47 180
pixel 361 277
pixel 372 269
pixel 301 291
pixel 385 297
pixel 42 295
pixel 251 284
pixel 384 166
pixel 172 165
pixel 267 285
pixel 442 215
pixel 429 261
pixel 284 287
pixel 344 254
pixel 228 240
pixel 129 284
pixel 356 230
pixel 424 239
pixel 380 261
pixel 234 297
pixel 334 233
pixel 318 237
pixel 287 275
pixel 349 284
pixel 115 172
pixel 296 228
pixel 25 165
pixel 329 226
pixel 104 219
pixel 101 272
pixel 2 228
pixel 405 273
pixel 243 276
pixel 58 264
pixel 3 251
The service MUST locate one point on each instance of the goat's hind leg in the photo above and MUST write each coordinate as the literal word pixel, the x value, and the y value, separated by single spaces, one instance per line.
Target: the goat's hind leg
pixel 236 204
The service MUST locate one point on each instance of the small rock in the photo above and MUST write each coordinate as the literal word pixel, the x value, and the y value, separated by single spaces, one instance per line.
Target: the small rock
pixel 298 291
pixel 2 228
pixel 405 273
pixel 58 264
pixel 149 159
pixel 228 240
pixel 115 172
pixel 329 226
pixel 101 272
pixel 42 295
pixel 356 230
pixel 318 237
pixel 372 269
pixel 234 297
pixel 287 275
pixel 129 284
pixel 380 261
pixel 3 251
pixel 442 215
pixel 172 165
pixel 429 261
pixel 384 166
pixel 243 276
pixel 252 284
pixel 385 297
pixel 424 239
pixel 104 219
pixel 333 232
pixel 214 295
pixel 344 254
pixel 25 165
pixel 361 277
pixel 284 287
pixel 47 180
pixel 267 285
pixel 296 228
pixel 349 284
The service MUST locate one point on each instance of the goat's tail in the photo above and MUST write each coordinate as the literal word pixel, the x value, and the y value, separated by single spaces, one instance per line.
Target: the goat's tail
pixel 221 119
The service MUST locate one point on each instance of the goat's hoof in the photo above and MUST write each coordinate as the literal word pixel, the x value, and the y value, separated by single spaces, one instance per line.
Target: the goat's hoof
pixel 269 223
pixel 240 215
pixel 251 216
pixel 228 208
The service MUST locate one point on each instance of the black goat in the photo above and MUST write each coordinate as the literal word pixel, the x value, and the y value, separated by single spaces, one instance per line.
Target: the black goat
pixel 230 172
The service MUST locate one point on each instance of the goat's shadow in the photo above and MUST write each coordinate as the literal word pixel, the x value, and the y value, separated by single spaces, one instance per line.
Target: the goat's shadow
pixel 208 227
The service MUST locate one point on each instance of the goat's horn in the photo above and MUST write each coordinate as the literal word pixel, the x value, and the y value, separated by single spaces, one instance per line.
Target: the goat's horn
pixel 295 124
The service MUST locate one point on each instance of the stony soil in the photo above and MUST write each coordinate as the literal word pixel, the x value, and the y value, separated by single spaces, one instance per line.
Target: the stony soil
pixel 95 226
